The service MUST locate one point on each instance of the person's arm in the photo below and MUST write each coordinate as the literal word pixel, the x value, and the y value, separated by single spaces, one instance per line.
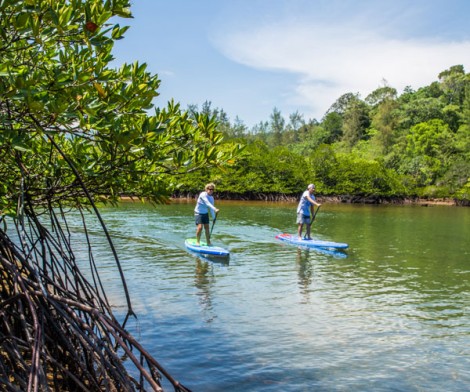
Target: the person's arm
pixel 208 203
pixel 213 212
pixel 313 201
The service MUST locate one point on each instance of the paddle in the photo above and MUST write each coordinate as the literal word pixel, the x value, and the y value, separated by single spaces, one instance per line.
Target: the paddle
pixel 313 218
pixel 213 223
pixel 315 214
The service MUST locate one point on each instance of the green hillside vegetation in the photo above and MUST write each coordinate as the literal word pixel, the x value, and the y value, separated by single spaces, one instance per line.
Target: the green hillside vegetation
pixel 386 146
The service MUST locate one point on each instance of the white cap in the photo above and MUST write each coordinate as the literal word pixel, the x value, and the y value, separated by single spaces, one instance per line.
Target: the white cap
pixel 311 186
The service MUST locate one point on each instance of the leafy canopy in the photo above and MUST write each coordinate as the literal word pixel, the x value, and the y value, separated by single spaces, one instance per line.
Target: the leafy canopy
pixel 75 129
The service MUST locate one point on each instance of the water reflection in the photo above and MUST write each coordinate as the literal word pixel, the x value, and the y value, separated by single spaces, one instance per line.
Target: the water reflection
pixel 203 280
pixel 305 271
pixel 331 252
pixel 218 259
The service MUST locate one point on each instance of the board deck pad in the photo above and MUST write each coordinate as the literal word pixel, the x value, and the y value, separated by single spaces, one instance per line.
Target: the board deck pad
pixel 205 249
pixel 294 240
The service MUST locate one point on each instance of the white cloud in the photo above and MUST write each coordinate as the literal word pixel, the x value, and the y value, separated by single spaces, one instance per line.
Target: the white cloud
pixel 332 60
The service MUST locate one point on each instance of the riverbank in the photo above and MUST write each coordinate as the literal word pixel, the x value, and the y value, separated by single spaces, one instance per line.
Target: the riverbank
pixel 343 199
pixel 332 199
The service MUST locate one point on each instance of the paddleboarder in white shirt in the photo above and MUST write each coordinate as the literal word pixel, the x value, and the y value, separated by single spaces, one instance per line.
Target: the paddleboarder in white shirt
pixel 305 211
pixel 204 204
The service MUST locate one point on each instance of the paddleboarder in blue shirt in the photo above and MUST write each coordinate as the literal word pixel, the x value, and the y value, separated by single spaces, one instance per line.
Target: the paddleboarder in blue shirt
pixel 305 211
pixel 204 204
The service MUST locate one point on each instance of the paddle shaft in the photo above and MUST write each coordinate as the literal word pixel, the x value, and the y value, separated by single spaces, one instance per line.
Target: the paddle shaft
pixel 213 223
pixel 315 214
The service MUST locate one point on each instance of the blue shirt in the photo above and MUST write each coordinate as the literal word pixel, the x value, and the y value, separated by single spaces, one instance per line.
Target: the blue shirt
pixel 304 203
pixel 204 203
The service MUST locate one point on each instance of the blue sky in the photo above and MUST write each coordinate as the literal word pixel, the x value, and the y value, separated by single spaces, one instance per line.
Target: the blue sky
pixel 248 57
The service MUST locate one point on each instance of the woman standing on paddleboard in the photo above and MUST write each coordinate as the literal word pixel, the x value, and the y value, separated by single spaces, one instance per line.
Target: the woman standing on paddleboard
pixel 205 202
pixel 305 211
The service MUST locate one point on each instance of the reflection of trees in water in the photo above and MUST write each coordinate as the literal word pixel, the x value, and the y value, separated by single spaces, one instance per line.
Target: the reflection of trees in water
pixel 204 278
pixel 305 271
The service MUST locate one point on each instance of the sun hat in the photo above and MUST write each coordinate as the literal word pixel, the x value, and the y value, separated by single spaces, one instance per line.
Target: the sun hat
pixel 311 186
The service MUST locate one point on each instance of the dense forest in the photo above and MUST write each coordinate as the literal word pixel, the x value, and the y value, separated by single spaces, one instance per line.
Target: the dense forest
pixel 383 147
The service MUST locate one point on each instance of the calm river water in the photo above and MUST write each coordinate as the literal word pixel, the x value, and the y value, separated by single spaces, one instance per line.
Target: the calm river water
pixel 390 314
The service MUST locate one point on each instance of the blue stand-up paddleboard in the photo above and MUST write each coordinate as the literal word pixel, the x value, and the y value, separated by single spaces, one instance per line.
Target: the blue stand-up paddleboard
pixel 294 240
pixel 206 250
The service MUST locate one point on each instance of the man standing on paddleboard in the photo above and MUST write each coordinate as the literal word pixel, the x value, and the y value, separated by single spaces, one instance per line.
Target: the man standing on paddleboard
pixel 305 211
pixel 205 202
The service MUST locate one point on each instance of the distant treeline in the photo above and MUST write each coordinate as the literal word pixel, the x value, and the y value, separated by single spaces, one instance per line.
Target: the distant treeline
pixel 384 147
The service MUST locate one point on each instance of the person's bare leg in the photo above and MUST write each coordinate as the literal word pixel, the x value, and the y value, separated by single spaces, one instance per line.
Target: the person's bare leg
pixel 299 230
pixel 208 234
pixel 198 234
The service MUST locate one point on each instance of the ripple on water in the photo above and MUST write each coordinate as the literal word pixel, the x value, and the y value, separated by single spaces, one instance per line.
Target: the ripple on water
pixel 391 314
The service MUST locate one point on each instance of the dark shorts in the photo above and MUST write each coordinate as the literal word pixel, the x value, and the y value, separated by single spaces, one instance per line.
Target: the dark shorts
pixel 202 219
pixel 303 219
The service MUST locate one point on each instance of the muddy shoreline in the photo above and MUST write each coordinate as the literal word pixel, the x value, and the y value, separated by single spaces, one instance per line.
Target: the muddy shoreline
pixel 333 199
